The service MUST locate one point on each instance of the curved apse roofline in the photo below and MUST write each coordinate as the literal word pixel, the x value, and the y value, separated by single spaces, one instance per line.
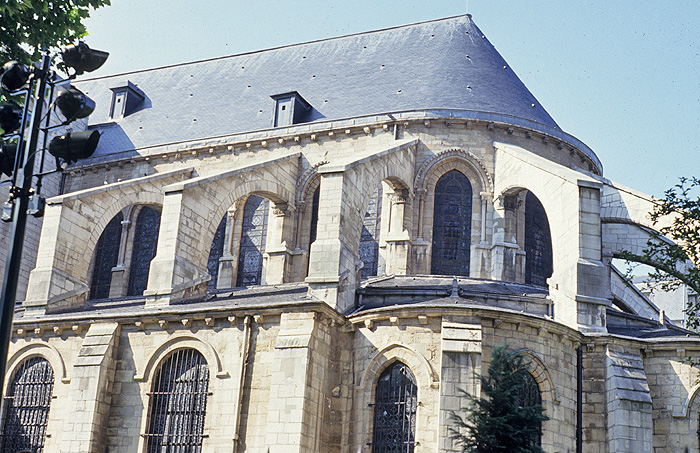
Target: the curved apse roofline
pixel 412 114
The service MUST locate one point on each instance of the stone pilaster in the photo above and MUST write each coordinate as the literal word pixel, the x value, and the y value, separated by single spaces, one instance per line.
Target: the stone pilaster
pixel 91 389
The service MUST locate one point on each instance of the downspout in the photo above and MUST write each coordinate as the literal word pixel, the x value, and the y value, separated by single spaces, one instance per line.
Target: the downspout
pixel 579 399
pixel 241 380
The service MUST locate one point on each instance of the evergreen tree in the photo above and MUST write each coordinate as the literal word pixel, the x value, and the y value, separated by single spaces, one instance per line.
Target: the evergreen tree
pixel 502 419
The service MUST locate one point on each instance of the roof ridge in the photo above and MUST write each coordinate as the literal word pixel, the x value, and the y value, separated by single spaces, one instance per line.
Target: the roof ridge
pixel 252 52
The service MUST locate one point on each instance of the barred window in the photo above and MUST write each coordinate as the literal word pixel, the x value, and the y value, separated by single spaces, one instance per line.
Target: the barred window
pixel 369 238
pixel 145 244
pixel 530 396
pixel 395 411
pixel 27 404
pixel 452 219
pixel 538 242
pixel 178 404
pixel 215 252
pixel 254 234
pixel 106 257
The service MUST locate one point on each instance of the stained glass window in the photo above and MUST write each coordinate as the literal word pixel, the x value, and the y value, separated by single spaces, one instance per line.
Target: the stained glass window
pixel 106 257
pixel 538 242
pixel 145 244
pixel 395 411
pixel 369 238
pixel 178 404
pixel 452 219
pixel 254 234
pixel 27 403
pixel 215 252
pixel 530 396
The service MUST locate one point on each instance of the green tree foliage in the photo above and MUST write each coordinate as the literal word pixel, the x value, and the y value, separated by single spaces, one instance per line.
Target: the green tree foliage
pixel 27 26
pixel 674 250
pixel 498 421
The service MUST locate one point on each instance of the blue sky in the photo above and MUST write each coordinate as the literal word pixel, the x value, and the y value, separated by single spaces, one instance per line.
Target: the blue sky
pixel 623 76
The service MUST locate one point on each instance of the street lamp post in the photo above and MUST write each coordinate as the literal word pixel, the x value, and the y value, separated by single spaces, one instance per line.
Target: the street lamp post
pixel 80 58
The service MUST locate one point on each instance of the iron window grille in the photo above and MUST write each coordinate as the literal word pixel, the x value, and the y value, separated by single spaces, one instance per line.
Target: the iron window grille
pixel 28 402
pixel 178 404
pixel 396 403
pixel 452 219
pixel 530 395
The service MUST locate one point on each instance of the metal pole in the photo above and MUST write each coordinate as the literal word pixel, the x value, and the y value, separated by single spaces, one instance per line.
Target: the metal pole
pixel 19 216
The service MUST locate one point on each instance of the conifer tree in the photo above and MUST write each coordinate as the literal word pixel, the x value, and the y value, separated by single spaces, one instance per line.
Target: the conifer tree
pixel 502 419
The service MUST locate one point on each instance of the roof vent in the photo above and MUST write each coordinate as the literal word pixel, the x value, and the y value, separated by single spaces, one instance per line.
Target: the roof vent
pixel 290 108
pixel 125 100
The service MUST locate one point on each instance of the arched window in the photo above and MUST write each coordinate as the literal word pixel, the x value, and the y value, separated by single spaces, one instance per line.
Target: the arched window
pixel 369 238
pixel 28 401
pixel 217 249
pixel 538 242
pixel 530 396
pixel 178 404
pixel 145 244
pixel 395 411
pixel 254 234
pixel 452 219
pixel 106 257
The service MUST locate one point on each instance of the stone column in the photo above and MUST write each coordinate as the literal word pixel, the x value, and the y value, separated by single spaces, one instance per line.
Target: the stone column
pixel 277 252
pixel 398 240
pixel 504 249
pixel 120 278
pixel 420 257
pixel 228 263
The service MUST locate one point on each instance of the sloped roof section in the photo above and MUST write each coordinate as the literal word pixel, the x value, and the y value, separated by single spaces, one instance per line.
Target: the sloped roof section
pixel 441 64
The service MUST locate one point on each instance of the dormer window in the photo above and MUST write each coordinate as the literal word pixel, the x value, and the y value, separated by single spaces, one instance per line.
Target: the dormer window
pixel 290 108
pixel 125 100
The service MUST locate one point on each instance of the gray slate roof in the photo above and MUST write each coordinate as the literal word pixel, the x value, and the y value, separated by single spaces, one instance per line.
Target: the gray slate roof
pixel 441 64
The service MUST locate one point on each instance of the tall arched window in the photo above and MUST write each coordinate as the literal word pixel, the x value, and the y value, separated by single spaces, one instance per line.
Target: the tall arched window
pixel 28 401
pixel 254 234
pixel 145 244
pixel 215 252
pixel 178 404
pixel 106 257
pixel 395 411
pixel 452 219
pixel 530 396
pixel 369 238
pixel 538 242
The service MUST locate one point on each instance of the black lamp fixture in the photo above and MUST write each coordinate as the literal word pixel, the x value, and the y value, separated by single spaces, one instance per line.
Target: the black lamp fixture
pixel 82 58
pixel 74 146
pixel 7 158
pixel 10 117
pixel 74 104
pixel 14 75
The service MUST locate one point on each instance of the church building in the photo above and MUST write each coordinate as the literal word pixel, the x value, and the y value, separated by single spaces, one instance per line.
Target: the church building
pixel 316 247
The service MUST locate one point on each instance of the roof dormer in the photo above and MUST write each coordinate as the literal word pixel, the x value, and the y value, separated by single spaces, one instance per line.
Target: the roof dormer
pixel 290 108
pixel 125 100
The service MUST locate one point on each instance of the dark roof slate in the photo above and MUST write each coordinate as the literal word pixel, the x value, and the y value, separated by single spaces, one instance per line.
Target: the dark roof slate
pixel 440 64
